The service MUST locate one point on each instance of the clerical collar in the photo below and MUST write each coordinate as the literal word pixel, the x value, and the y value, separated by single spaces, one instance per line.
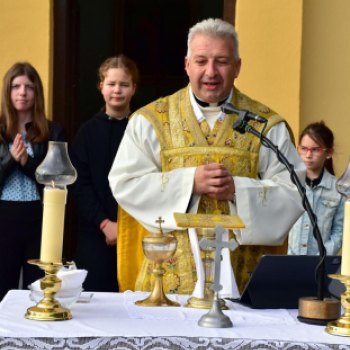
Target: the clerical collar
pixel 206 104
pixel 314 182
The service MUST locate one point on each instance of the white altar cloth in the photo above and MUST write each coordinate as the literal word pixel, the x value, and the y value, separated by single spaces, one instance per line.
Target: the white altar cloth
pixel 109 315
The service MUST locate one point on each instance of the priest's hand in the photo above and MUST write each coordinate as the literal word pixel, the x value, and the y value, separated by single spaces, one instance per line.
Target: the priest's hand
pixel 111 232
pixel 227 193
pixel 215 180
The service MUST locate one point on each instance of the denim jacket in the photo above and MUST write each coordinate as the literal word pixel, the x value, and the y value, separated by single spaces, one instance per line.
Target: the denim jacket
pixel 328 206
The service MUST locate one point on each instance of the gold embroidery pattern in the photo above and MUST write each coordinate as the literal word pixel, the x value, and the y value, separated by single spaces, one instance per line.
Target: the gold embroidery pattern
pixel 262 194
pixel 165 180
pixel 264 109
pixel 205 129
pixel 161 106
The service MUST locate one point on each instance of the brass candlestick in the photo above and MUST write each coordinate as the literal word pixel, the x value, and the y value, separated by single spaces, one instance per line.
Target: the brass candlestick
pixel 207 301
pixel 48 309
pixel 159 248
pixel 341 326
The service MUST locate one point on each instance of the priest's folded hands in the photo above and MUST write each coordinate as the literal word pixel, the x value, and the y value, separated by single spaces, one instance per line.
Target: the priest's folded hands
pixel 215 180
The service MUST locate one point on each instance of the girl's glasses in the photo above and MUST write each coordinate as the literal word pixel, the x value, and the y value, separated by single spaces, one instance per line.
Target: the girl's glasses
pixel 315 151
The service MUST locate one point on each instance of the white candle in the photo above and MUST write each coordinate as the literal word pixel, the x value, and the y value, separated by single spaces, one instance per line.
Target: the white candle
pixel 53 223
pixel 345 263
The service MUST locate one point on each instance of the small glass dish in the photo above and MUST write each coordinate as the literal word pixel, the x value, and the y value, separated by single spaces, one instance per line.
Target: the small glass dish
pixel 66 297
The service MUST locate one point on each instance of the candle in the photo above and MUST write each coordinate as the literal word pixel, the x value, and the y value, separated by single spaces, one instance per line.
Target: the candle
pixel 345 264
pixel 53 222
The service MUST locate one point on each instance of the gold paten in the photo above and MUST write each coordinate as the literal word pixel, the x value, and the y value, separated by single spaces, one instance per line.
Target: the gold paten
pixel 159 248
pixel 341 326
pixel 48 309
pixel 207 301
pixel 208 220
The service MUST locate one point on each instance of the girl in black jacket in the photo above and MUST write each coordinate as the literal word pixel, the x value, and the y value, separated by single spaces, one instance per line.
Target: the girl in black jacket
pixel 24 136
pixel 92 154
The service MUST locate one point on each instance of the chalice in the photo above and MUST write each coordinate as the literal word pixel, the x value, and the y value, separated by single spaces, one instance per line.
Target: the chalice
pixel 159 248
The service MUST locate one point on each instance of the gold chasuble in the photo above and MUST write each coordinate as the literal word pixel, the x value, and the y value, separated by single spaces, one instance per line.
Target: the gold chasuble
pixel 185 143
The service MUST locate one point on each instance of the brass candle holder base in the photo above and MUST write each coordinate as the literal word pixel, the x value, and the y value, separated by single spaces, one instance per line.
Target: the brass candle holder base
pixel 207 301
pixel 48 309
pixel 341 326
pixel 198 303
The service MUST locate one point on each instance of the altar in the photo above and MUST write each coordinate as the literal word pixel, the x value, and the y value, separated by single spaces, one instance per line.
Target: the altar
pixel 112 321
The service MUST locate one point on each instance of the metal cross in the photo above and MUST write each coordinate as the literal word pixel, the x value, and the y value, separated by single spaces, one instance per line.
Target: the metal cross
pixel 218 244
pixel 160 222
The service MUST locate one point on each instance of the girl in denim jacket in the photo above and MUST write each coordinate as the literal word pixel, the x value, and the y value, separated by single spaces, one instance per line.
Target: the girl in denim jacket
pixel 316 150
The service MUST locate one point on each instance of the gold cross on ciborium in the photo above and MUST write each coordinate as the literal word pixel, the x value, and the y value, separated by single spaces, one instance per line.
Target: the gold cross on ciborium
pixel 160 222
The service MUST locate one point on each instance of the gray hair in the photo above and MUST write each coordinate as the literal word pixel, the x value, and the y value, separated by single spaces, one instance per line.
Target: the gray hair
pixel 214 28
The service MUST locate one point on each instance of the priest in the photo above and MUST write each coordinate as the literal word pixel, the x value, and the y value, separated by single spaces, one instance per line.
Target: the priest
pixel 180 154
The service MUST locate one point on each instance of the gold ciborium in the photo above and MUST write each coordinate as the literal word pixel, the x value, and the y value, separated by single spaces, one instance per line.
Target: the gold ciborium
pixel 207 259
pixel 48 309
pixel 159 248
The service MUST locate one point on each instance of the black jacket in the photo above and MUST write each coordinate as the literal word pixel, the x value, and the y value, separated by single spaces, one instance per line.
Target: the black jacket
pixel 8 164
pixel 92 154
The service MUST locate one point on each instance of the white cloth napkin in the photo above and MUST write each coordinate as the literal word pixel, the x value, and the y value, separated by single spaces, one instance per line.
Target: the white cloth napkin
pixel 71 279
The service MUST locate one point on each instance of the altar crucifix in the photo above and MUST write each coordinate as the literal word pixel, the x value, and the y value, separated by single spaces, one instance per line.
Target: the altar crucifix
pixel 215 317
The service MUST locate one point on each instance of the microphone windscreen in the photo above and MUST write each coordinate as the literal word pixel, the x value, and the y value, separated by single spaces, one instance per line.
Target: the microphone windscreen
pixel 228 108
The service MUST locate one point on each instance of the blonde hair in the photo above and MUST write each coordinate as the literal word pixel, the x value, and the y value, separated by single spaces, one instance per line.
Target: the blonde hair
pixel 120 61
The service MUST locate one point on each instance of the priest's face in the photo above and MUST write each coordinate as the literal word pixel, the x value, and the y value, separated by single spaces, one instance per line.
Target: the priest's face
pixel 211 67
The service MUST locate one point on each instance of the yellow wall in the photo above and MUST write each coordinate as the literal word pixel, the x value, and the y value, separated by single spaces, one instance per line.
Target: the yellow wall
pixel 270 33
pixel 325 78
pixel 296 59
pixel 26 29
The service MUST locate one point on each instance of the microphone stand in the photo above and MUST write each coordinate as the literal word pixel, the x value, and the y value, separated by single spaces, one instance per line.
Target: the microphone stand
pixel 310 314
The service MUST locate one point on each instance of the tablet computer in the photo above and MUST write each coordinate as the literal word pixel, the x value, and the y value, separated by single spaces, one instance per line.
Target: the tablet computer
pixel 279 281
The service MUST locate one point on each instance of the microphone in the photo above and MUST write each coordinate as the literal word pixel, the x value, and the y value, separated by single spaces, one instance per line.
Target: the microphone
pixel 227 108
